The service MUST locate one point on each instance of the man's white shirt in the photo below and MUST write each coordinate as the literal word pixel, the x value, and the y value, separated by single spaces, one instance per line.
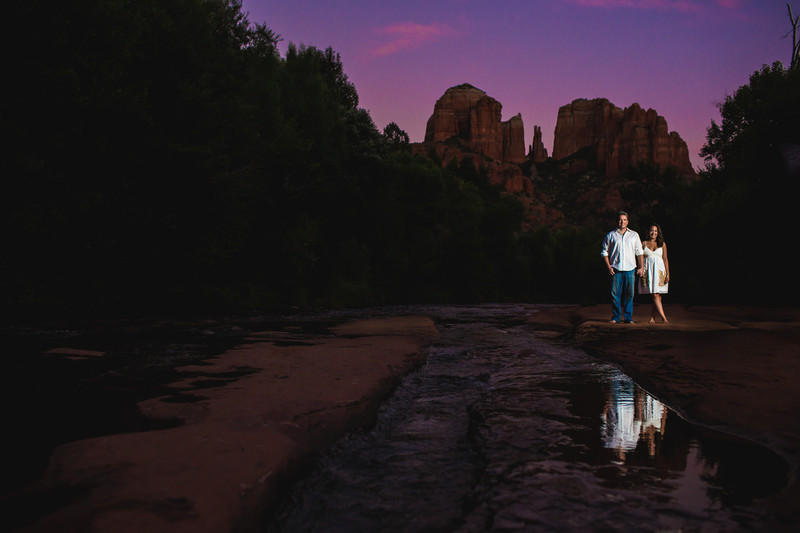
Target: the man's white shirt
pixel 622 249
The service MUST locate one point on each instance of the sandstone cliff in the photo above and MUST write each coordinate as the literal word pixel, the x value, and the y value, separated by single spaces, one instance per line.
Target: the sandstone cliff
pixel 595 141
pixel 469 116
pixel 473 117
pixel 513 140
pixel 617 138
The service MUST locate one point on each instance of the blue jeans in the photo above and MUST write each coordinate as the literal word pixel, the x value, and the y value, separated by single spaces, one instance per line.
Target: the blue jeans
pixel 622 285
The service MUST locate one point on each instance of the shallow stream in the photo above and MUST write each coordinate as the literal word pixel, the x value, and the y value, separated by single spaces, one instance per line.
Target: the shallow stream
pixel 502 430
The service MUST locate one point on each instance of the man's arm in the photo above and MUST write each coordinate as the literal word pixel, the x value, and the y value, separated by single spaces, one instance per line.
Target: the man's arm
pixel 604 253
pixel 610 269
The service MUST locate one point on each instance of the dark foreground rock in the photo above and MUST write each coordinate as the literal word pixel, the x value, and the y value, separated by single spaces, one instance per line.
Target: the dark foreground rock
pixel 239 443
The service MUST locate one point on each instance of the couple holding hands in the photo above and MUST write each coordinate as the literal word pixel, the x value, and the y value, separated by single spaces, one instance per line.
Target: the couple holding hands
pixel 625 257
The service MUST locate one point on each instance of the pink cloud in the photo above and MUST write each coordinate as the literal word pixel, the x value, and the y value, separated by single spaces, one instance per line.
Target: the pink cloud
pixel 647 4
pixel 683 6
pixel 408 35
pixel 729 4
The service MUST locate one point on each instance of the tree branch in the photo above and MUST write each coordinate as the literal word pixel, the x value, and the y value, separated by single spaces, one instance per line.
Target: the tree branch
pixel 795 44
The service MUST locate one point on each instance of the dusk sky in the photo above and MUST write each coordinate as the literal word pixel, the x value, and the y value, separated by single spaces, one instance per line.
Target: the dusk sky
pixel 679 57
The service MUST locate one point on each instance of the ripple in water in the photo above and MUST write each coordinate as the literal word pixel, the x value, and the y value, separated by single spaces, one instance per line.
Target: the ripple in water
pixel 503 431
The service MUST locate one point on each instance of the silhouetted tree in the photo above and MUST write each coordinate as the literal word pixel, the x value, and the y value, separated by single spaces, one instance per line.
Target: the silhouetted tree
pixel 757 120
pixel 746 184
pixel 795 61
pixel 395 137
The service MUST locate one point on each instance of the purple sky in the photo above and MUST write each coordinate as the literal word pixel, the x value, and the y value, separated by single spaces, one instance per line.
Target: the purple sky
pixel 679 57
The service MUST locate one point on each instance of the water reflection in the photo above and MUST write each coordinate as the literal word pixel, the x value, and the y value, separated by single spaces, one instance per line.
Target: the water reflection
pixel 631 416
pixel 503 431
pixel 702 468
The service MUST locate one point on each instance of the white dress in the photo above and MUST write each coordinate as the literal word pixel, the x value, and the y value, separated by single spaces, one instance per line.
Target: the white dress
pixel 655 273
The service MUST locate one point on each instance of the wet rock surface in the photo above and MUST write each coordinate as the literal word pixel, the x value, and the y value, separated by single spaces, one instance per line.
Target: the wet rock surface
pixel 203 426
pixel 502 430
pixel 226 427
pixel 730 368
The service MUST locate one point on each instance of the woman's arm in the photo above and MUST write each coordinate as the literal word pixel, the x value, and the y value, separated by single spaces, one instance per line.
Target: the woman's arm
pixel 664 257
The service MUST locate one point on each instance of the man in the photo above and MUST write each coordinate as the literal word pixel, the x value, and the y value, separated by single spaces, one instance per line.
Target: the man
pixel 622 253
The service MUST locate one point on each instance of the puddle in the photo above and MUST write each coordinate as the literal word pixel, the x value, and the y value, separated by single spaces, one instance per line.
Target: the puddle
pixel 703 468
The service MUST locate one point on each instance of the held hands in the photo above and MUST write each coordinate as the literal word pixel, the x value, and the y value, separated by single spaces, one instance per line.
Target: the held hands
pixel 639 271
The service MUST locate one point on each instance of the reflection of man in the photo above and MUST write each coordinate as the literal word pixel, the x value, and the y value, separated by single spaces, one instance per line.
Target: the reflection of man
pixel 622 253
pixel 621 425
pixel 630 416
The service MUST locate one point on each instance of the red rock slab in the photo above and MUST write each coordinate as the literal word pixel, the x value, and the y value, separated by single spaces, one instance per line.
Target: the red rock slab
pixel 239 445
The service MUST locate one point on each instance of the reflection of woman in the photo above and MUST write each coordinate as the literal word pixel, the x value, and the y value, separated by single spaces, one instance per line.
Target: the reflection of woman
pixel 654 419
pixel 655 279
pixel 631 416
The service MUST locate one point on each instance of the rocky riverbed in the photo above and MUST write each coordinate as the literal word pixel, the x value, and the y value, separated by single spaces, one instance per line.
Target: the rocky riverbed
pixel 223 428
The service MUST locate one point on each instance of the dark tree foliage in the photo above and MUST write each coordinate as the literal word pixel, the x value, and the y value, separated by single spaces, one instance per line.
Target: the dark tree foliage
pixel 757 120
pixel 122 115
pixel 750 184
pixel 163 158
pixel 395 137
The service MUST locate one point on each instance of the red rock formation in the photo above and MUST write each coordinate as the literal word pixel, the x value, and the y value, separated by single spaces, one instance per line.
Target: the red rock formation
pixel 619 138
pixel 513 140
pixel 537 152
pixel 594 140
pixel 473 117
pixel 584 123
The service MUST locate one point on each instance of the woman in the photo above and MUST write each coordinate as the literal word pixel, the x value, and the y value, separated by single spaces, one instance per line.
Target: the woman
pixel 655 279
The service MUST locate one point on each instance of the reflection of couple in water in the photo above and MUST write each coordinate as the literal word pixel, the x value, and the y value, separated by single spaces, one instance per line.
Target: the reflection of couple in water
pixel 631 415
pixel 626 257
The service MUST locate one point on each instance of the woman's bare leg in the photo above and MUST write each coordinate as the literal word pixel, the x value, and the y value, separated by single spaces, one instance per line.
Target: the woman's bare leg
pixel 658 308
